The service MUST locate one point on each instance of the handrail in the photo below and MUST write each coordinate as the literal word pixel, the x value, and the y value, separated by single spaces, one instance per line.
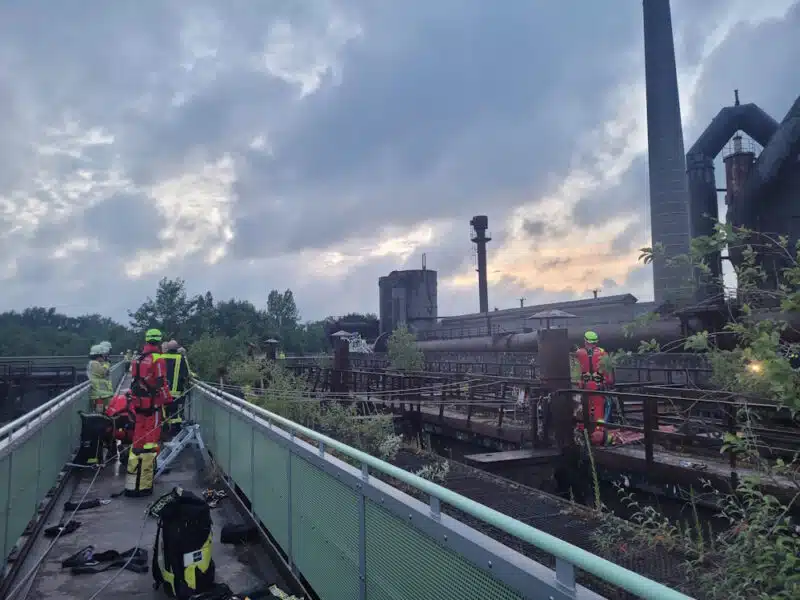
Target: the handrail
pixel 10 359
pixel 25 419
pixel 600 567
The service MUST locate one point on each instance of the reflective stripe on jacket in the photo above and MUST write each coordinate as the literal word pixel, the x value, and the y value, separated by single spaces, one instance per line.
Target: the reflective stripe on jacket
pixel 100 380
pixel 177 372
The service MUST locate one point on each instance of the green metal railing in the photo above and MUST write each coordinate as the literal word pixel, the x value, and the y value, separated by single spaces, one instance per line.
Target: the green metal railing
pixel 33 451
pixel 352 536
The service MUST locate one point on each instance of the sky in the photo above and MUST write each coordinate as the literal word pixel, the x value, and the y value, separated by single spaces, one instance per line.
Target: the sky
pixel 247 145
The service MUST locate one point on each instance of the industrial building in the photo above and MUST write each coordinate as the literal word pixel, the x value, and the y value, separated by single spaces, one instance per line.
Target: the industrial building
pixel 410 298
pixel 588 313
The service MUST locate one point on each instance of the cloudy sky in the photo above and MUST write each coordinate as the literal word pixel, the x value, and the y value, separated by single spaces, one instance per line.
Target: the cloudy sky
pixel 318 144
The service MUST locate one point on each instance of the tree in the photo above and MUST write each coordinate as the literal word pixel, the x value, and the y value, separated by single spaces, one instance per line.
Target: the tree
pixel 172 310
pixel 212 357
pixel 758 556
pixel 403 352
pixel 39 331
pixel 282 310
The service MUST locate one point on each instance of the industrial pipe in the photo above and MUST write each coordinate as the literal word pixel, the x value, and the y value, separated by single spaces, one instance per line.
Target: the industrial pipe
pixel 612 337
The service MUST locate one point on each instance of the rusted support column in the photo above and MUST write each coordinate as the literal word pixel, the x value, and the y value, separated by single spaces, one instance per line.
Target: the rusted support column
pixel 555 375
pixel 341 364
pixel 271 349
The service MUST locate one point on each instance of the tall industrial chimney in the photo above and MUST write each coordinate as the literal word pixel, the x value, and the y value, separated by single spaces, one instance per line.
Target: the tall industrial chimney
pixel 670 214
pixel 480 224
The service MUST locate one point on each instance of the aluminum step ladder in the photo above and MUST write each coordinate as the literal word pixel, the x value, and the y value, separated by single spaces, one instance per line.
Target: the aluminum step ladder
pixel 189 436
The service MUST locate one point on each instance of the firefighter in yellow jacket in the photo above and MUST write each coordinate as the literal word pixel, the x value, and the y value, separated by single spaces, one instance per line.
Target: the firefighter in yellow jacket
pixel 99 372
pixel 178 375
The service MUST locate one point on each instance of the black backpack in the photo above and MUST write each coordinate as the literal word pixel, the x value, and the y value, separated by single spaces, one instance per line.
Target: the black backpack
pixel 182 560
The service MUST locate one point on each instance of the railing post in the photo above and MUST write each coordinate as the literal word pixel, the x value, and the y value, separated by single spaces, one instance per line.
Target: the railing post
pixel 252 467
pixel 362 536
pixel 648 406
pixel 38 467
pixel 7 515
pixel 289 550
pixel 436 508
pixel 565 576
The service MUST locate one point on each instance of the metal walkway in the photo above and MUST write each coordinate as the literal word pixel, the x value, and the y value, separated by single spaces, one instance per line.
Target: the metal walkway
pixel 333 522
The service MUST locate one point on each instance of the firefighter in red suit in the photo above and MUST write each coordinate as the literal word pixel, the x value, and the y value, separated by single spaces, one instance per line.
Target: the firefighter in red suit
pixel 120 411
pixel 594 376
pixel 149 392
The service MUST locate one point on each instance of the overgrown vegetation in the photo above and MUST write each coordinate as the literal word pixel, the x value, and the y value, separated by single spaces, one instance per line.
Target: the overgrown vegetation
pixel 287 396
pixel 757 555
pixel 403 352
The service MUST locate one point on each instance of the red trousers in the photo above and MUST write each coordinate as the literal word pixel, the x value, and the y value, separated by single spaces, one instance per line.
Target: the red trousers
pixel 597 412
pixel 147 430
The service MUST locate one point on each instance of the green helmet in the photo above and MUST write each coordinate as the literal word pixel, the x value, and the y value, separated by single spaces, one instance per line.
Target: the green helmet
pixel 152 335
pixel 591 337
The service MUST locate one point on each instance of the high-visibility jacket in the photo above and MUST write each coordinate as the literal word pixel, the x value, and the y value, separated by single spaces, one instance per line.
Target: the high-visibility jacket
pixel 177 372
pixel 99 373
pixel 594 376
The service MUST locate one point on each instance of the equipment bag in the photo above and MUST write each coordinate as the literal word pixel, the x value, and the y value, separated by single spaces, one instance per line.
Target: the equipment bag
pixel 96 432
pixel 140 472
pixel 182 559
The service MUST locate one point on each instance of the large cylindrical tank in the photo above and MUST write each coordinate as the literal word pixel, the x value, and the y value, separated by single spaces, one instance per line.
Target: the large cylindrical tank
pixel 739 160
pixel 408 297
pixel 705 216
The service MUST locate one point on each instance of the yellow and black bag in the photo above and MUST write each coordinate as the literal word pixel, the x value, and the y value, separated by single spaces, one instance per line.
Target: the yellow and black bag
pixel 140 471
pixel 182 560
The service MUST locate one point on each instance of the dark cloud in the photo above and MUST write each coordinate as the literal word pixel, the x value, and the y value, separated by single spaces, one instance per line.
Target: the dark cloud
pixel 445 113
pixel 627 238
pixel 534 227
pixel 629 197
pixel 761 61
pixel 541 228
pixel 124 221
pixel 554 263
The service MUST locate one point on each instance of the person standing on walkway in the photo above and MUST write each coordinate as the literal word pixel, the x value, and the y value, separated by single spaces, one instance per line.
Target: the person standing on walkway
pixel 149 392
pixel 595 376
pixel 178 375
pixel 99 373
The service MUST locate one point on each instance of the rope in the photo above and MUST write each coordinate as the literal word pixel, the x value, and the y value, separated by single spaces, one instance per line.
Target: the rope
pixel 130 558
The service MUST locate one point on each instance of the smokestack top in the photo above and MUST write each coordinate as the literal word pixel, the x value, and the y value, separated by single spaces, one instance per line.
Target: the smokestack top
pixel 480 222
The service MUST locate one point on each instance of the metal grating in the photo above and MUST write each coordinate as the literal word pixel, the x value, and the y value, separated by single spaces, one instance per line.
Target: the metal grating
pixel 404 563
pixel 222 438
pixel 270 491
pixel 325 532
pixel 241 451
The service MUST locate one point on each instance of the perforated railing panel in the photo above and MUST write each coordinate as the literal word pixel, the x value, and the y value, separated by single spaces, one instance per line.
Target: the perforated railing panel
pixel 325 531
pixel 270 489
pixel 241 444
pixel 404 563
pixel 349 539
